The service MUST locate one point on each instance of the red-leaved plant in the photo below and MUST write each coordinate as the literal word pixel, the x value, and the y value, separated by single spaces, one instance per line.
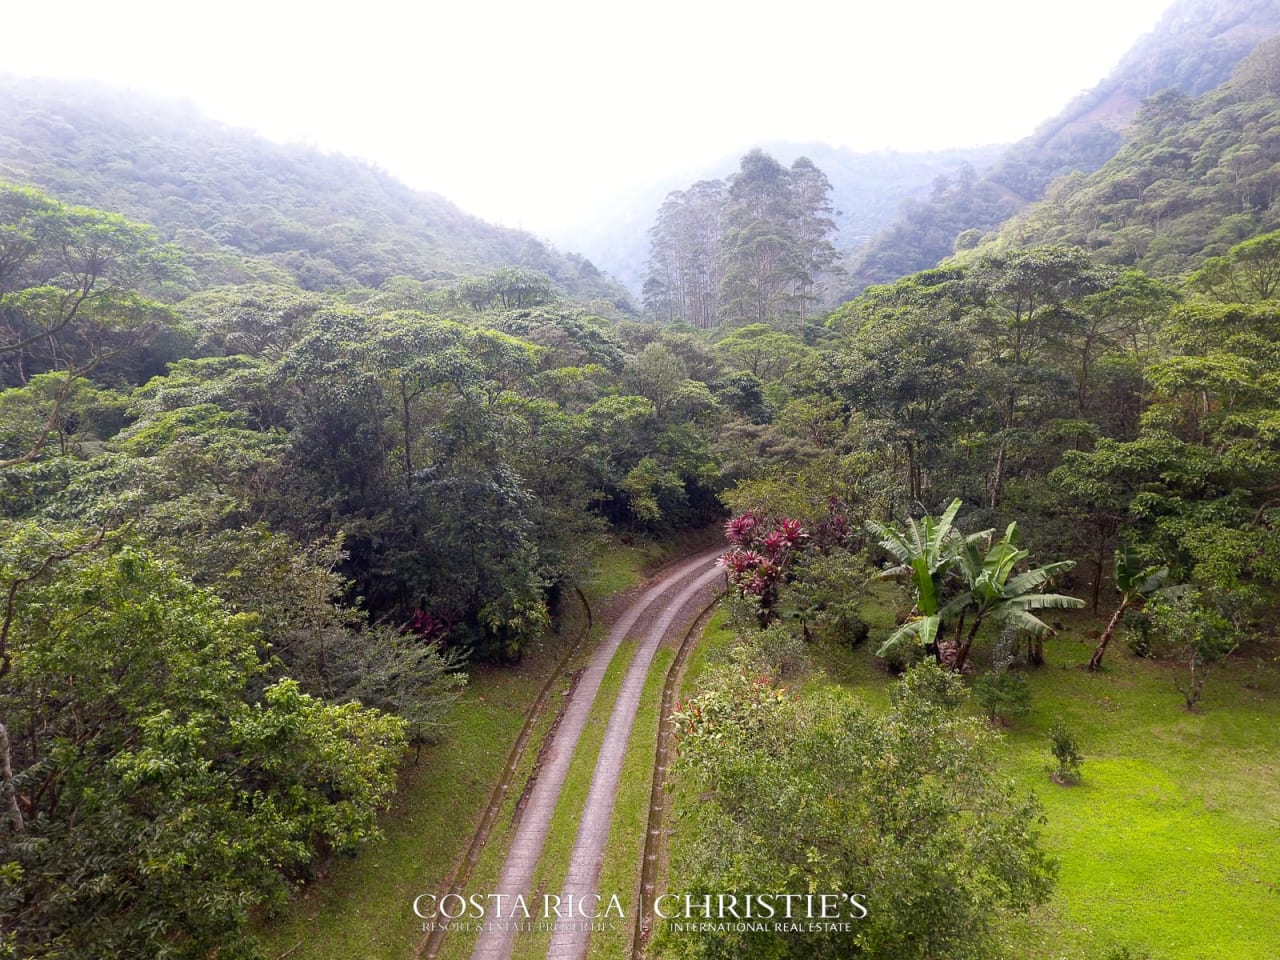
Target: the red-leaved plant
pixel 762 552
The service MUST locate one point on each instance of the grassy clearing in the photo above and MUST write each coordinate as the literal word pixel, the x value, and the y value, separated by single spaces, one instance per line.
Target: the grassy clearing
pixel 362 907
pixel 1168 846
pixel 484 877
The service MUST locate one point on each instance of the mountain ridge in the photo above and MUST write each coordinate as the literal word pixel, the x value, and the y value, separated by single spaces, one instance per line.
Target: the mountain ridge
pixel 1193 49
pixel 249 204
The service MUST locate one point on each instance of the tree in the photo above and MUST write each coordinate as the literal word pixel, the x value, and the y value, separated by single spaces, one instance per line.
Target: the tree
pixel 813 230
pixel 1136 583
pixel 1247 273
pixel 1030 295
pixel 925 551
pixel 754 250
pixel 67 297
pixel 684 265
pixel 760 261
pixel 806 797
pixel 1199 636
pixel 163 795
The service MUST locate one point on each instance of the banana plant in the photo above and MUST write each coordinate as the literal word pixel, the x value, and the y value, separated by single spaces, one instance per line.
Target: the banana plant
pixel 995 593
pixel 925 550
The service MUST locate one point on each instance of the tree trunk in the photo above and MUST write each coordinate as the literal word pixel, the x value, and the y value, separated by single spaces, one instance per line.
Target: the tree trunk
pixel 1098 563
pixel 962 654
pixel 997 480
pixel 1096 660
pixel 7 789
pixel 1035 651
pixel 406 427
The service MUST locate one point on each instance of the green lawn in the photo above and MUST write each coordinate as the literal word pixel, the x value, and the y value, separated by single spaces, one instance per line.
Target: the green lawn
pixel 1171 842
pixel 1170 845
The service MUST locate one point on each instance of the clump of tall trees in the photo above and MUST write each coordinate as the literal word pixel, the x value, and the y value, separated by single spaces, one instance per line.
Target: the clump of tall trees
pixel 754 249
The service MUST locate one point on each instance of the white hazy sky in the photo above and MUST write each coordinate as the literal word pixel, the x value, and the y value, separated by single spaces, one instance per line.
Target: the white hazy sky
pixel 533 114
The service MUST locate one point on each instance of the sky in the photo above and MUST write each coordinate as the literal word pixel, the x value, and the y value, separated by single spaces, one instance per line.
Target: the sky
pixel 537 114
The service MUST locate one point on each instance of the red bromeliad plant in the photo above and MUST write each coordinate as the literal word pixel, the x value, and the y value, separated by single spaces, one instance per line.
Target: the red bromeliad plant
pixel 762 551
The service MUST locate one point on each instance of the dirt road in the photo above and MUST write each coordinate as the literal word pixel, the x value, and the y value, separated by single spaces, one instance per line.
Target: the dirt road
pixel 661 609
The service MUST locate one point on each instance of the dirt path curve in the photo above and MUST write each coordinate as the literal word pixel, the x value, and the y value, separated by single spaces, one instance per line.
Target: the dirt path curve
pixel 679 587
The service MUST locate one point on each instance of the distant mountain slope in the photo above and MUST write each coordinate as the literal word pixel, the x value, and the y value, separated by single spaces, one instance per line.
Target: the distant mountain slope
pixel 1195 178
pixel 246 205
pixel 1193 49
pixel 867 191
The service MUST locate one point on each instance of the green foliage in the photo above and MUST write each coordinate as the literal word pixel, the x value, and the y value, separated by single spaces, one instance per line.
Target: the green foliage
pixel 994 592
pixel 930 550
pixel 1066 751
pixel 249 211
pixel 824 594
pixel 163 799
pixel 924 551
pixel 1003 693
pixel 1195 179
pixel 1199 635
pixel 928 682
pixel 821 795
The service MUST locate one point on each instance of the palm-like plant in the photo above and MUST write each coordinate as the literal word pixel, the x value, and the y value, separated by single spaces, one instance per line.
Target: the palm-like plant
pixel 994 592
pixel 1136 584
pixel 925 550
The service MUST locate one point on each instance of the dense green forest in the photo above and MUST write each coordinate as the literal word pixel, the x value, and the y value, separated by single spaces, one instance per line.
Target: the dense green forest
pixel 286 450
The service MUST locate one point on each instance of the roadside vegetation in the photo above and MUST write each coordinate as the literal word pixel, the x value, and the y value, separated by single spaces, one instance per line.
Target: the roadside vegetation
pixel 1171 807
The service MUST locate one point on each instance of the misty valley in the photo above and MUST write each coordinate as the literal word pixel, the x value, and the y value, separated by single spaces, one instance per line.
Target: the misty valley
pixel 852 556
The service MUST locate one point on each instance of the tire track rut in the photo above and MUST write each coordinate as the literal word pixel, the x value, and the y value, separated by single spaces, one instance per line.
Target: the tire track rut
pixel 496 939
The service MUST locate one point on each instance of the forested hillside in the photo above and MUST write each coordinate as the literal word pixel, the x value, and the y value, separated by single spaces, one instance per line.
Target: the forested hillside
pixel 1195 178
pixel 1194 48
pixel 242 208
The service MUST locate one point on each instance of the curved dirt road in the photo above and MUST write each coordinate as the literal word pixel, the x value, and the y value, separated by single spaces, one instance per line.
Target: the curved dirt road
pixel 661 609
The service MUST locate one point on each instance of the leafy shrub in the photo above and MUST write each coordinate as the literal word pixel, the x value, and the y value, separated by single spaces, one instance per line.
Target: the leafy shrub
pixel 1065 750
pixel 1003 694
pixel 1135 631
pixel 822 794
pixel 898 659
pixel 929 682
pixel 1200 636
pixel 850 630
